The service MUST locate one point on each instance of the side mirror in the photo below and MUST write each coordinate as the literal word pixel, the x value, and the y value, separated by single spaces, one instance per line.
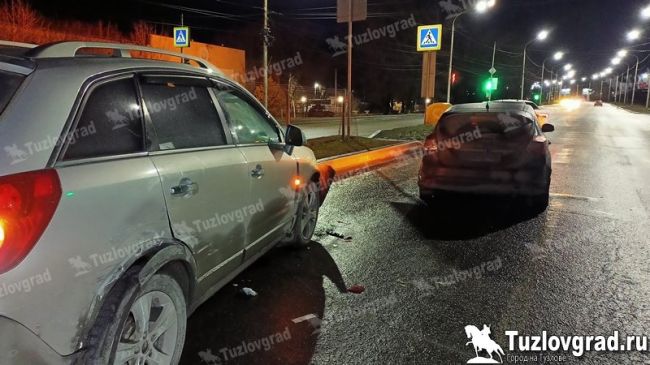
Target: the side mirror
pixel 294 136
pixel 548 128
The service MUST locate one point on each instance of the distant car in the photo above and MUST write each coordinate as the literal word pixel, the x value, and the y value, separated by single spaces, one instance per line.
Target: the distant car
pixel 542 117
pixel 131 190
pixel 497 151
pixel 319 111
pixel 598 103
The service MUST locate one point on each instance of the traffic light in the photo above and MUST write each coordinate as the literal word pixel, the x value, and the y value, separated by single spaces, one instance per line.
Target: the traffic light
pixel 491 84
pixel 536 97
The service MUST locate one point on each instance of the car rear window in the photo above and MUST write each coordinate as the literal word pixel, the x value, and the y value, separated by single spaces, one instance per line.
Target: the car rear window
pixel 495 124
pixel 9 83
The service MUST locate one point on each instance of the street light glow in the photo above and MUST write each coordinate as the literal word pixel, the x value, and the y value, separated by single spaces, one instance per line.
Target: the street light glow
pixel 483 5
pixel 645 12
pixel 583 79
pixel 568 66
pixel 633 34
pixel 616 61
pixel 622 53
pixel 558 56
pixel 542 35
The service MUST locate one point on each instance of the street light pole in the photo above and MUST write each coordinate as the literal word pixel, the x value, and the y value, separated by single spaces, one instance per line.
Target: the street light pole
pixel 265 37
pixel 627 78
pixel 523 72
pixel 636 74
pixel 451 54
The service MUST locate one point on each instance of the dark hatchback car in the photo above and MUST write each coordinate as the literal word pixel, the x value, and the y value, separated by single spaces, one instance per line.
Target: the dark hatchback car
pixel 492 149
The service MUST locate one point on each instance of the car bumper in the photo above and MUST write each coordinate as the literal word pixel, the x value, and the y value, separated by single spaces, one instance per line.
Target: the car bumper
pixel 489 182
pixel 21 346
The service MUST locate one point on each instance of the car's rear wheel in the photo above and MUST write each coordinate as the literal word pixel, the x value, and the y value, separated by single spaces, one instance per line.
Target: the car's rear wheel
pixel 147 325
pixel 306 218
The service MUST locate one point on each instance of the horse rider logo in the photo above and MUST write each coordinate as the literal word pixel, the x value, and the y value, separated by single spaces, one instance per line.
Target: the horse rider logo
pixel 337 46
pixel 16 154
pixel 481 340
pixel 80 266
pixel 209 358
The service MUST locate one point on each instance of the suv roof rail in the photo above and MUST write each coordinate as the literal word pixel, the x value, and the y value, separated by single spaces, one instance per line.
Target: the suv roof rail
pixel 70 49
pixel 17 44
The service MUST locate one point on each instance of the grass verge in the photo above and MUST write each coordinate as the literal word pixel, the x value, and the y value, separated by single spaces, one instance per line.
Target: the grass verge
pixel 325 147
pixel 633 108
pixel 417 133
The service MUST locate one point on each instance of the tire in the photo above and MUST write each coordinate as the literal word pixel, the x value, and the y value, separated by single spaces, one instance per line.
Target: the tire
pixel 117 336
pixel 541 202
pixel 306 218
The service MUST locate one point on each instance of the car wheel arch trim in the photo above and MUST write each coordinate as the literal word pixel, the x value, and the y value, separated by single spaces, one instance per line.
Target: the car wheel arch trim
pixel 153 260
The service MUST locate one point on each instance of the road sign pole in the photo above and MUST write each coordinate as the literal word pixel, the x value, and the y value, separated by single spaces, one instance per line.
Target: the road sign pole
pixel 492 70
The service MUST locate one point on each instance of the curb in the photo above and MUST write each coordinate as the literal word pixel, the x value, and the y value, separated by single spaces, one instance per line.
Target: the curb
pixel 362 161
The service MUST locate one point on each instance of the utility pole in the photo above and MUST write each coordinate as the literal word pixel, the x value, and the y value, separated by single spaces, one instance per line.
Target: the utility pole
pixel 627 78
pixel 265 36
pixel 636 74
pixel 349 92
pixel 182 25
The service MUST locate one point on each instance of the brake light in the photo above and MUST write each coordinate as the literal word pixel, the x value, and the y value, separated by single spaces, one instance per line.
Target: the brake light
pixel 27 203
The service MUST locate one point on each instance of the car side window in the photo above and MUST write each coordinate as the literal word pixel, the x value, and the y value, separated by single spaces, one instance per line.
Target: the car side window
pixel 247 122
pixel 183 116
pixel 110 123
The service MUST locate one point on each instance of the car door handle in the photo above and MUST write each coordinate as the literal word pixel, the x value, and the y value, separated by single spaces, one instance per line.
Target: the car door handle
pixel 185 188
pixel 258 173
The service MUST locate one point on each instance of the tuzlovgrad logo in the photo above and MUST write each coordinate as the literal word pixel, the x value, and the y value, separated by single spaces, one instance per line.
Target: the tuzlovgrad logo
pixel 481 340
pixel 547 348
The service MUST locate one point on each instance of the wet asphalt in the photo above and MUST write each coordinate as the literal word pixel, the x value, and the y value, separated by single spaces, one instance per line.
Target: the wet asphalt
pixel 582 267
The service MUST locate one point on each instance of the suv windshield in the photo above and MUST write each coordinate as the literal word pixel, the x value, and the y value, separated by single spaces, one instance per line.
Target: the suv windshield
pixel 9 83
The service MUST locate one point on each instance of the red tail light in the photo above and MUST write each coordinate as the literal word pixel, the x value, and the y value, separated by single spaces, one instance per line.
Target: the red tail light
pixel 27 203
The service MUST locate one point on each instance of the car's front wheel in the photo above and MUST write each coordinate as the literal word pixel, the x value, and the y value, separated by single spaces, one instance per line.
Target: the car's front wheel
pixel 306 218
pixel 147 325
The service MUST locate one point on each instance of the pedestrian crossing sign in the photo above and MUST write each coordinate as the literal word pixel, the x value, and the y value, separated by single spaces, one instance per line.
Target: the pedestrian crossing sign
pixel 181 37
pixel 430 38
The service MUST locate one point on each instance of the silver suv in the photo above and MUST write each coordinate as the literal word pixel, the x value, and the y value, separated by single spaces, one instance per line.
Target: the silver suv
pixel 131 190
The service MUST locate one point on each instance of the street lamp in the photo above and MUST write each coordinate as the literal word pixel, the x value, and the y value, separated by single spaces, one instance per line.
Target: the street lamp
pixel 316 87
pixel 634 34
pixel 541 36
pixel 557 56
pixel 481 7
pixel 645 12
pixel 568 66
pixel 616 61
pixel 622 53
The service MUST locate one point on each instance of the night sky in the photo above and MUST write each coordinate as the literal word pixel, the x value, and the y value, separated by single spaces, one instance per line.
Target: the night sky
pixel 590 31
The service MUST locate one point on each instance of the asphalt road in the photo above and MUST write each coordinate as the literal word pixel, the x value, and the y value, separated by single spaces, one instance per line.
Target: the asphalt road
pixel 363 126
pixel 580 268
